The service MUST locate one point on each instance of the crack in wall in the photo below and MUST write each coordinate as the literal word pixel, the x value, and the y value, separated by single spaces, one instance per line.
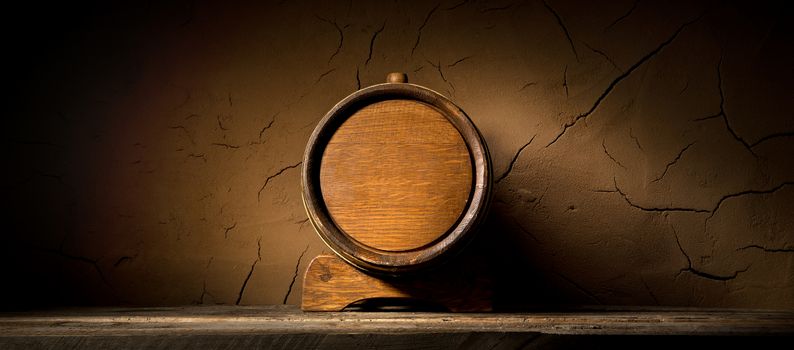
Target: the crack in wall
pixel 686 86
pixel 250 272
pixel 198 155
pixel 604 191
pixel 636 140
pixel 565 80
pixel 700 273
pixel 514 159
pixel 580 288
pixel 771 137
pixel 268 126
pixel 621 77
pixel 537 201
pixel 459 61
pixel 745 193
pixel 711 212
pixel 323 75
pixel 604 146
pixel 372 42
pixel 422 26
pixel 563 27
pixel 721 113
pixel 220 123
pixel 203 293
pixel 602 54
pixel 654 209
pixel 271 177
pixel 301 223
pixel 624 16
pixel 531 83
pixel 464 2
pixel 497 8
pixel 225 145
pixel 339 31
pixel 441 73
pixel 525 231
pixel 673 162
pixel 122 260
pixel 226 230
pixel 184 130
pixel 295 276
pixel 650 292
pixel 767 250
pixel 93 262
pixel 715 277
pixel 300 98
pixel 358 79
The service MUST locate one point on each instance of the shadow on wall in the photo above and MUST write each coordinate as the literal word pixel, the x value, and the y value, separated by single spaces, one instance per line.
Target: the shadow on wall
pixel 641 148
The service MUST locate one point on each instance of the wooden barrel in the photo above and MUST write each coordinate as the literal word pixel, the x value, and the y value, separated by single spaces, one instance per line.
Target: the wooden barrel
pixel 396 177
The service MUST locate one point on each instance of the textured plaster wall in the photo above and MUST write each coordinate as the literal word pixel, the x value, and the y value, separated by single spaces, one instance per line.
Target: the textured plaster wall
pixel 642 150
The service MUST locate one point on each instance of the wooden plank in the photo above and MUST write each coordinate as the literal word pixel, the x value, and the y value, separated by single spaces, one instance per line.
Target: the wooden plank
pixel 331 284
pixel 229 320
pixel 473 341
pixel 383 341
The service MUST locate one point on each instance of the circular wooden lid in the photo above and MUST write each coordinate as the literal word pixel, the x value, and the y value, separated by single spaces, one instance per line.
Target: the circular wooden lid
pixel 396 175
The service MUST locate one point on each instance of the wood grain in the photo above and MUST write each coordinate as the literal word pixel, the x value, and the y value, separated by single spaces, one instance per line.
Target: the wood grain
pixel 288 319
pixel 396 175
pixel 288 341
pixel 330 284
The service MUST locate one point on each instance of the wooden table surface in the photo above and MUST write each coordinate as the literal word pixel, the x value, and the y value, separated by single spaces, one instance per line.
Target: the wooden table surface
pixel 287 327
pixel 207 320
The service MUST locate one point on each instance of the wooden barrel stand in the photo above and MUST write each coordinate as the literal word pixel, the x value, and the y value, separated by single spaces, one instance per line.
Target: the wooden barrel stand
pixel 331 284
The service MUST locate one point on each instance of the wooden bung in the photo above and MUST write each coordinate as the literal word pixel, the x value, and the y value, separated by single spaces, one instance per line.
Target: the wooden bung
pixel 396 177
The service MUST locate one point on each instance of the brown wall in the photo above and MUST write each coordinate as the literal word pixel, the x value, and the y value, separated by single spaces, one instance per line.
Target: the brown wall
pixel 643 148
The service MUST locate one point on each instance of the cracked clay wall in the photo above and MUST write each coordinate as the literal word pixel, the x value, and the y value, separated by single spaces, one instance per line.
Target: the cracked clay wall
pixel 642 149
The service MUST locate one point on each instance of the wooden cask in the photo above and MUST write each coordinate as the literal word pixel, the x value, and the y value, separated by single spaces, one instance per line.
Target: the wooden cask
pixel 396 177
